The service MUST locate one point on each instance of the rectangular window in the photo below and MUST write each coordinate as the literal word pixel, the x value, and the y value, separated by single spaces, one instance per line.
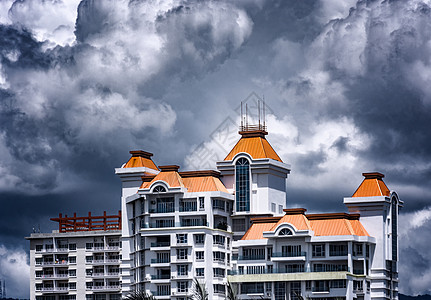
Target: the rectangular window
pixel 72 247
pixel 291 251
pixel 308 285
pixel 255 269
pixel 219 256
pixel 164 205
pixel 295 268
pixel 219 272
pixel 338 284
pixel 238 224
pixel 39 248
pixel 182 253
pixel 164 290
pixel 219 289
pixel 200 272
pixel 72 273
pixel 199 255
pixel 319 250
pixel 200 239
pixel 72 285
pixel 182 238
pixel 338 250
pixel 219 240
pixel 182 287
pixel 268 287
pixel 218 204
pixel 253 253
pixel 280 209
pixel 89 246
pixel 252 288
pixel 163 257
pixel 188 205
pixel 357 250
pixel 242 185
pixel 72 259
pixel 182 270
pixel 273 207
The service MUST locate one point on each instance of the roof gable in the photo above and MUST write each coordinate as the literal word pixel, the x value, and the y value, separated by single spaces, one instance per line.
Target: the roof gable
pixel 372 186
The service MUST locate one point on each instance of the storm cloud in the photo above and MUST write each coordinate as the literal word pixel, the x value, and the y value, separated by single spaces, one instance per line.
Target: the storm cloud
pixel 84 82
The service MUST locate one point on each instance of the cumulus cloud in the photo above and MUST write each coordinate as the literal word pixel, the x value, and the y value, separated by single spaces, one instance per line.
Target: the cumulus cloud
pixel 15 270
pixel 415 257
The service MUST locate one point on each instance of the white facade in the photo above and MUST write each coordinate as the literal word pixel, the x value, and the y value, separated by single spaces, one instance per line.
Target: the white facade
pixel 75 265
pixel 231 225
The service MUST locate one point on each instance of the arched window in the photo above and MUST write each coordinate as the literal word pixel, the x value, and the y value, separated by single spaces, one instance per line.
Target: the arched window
pixel 394 230
pixel 285 231
pixel 242 185
pixel 159 189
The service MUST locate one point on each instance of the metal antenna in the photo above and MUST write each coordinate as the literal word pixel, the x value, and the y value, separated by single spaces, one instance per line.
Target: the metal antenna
pixel 246 116
pixel 258 111
pixel 264 121
pixel 242 125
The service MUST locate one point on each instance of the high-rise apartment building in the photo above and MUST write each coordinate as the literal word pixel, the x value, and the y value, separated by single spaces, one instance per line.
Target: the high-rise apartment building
pixel 231 225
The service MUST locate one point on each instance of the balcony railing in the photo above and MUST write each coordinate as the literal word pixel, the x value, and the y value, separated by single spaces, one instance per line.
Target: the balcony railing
pixel 161 261
pixel 251 257
pixel 161 244
pixel 279 271
pixel 289 254
pixel 161 293
pixel 164 276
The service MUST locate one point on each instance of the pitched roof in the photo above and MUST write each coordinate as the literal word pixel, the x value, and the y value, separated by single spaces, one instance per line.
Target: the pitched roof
pixel 140 159
pixel 255 144
pixel 194 181
pixel 320 224
pixel 372 185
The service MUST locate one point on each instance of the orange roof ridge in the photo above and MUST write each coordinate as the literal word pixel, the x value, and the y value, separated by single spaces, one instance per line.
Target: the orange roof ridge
pixel 169 168
pixel 349 227
pixel 256 146
pixel 372 185
pixel 140 159
pixel 265 219
pixel 294 211
pixel 201 173
pixel 329 216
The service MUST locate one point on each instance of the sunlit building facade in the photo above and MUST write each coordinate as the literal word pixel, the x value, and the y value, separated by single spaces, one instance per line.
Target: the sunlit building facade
pixel 234 226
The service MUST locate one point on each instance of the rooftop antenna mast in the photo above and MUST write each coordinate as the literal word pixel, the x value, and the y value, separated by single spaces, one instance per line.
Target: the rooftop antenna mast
pixel 264 122
pixel 258 112
pixel 242 123
pixel 246 117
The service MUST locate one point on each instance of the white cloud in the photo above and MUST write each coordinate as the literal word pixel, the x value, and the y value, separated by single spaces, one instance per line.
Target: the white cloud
pixel 15 271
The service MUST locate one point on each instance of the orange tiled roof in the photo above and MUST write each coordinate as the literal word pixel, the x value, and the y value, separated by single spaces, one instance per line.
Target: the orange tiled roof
pixel 320 224
pixel 255 232
pixel 140 159
pixel 255 144
pixel 204 184
pixel 194 181
pixel 372 185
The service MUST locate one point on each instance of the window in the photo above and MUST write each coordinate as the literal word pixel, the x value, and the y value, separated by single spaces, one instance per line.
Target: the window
pixel 219 289
pixel 164 205
pixel 252 288
pixel 72 259
pixel 164 257
pixel 72 247
pixel 241 270
pixel 280 209
pixel 159 189
pixel 319 250
pixel 72 273
pixel 188 205
pixel 295 268
pixel 308 285
pixel 255 269
pixel 182 238
pixel 89 246
pixel 200 272
pixel 39 261
pixel 164 290
pixel 357 250
pixel 338 284
pixel 242 184
pixel 367 250
pixel 219 256
pixel 268 287
pixel 72 285
pixel 219 240
pixel 285 231
pixel 273 207
pixel 200 238
pixel 182 253
pixel 238 224
pixel 358 285
pixel 182 287
pixel 201 203
pixel 218 272
pixel 199 255
pixel 39 248
pixel 295 290
pixel 218 204
pixel 182 270
pixel 291 251
pixel 337 250
pixel 253 253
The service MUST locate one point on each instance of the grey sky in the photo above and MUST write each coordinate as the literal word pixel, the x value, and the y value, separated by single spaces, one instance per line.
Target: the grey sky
pixel 82 83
